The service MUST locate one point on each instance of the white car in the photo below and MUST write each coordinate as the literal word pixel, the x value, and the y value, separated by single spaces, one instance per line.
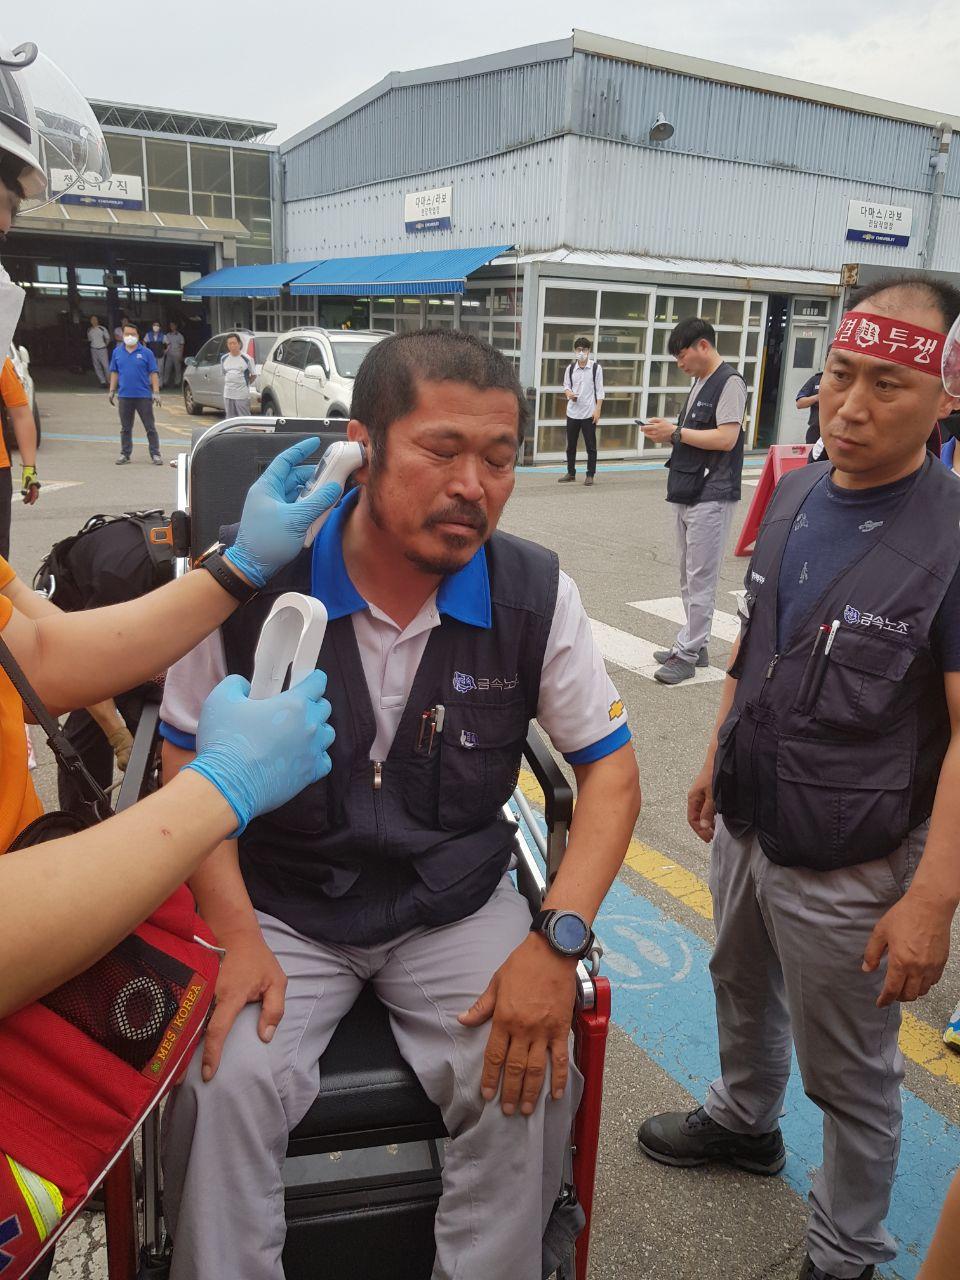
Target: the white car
pixel 310 372
pixel 20 359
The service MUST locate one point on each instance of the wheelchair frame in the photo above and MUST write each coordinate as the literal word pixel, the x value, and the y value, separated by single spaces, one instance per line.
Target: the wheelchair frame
pixel 130 1254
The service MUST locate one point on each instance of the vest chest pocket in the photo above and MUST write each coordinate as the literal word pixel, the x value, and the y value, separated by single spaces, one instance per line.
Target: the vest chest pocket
pixel 688 473
pixel 307 813
pixel 480 755
pixel 869 682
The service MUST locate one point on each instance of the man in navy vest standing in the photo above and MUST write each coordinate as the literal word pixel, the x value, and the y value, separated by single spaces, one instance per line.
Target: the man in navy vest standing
pixel 705 465
pixel 445 639
pixel 831 789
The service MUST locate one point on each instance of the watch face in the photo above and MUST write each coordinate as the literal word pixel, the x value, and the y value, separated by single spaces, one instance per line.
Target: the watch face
pixel 569 931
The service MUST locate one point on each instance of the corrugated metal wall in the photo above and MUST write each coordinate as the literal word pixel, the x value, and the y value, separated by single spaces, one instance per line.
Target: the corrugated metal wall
pixel 620 101
pixel 639 200
pixel 416 128
pixel 515 198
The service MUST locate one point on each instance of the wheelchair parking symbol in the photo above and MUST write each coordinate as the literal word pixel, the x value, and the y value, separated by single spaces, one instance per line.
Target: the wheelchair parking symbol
pixel 643 955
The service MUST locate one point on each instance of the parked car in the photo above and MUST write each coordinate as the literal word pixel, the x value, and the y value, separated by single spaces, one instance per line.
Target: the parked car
pixel 203 377
pixel 310 372
pixel 20 359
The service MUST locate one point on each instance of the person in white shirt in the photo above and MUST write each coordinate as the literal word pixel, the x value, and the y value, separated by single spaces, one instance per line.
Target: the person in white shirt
pixel 99 340
pixel 173 344
pixel 583 387
pixel 239 372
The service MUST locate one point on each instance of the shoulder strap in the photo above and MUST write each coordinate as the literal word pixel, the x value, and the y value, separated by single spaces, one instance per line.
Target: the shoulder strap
pixel 61 746
pixel 594 379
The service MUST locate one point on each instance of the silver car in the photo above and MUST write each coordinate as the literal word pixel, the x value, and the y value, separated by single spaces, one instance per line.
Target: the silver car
pixel 203 376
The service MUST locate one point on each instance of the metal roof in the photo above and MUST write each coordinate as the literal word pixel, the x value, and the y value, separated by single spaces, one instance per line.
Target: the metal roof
pixel 587 261
pixel 415 274
pixel 191 124
pixel 260 280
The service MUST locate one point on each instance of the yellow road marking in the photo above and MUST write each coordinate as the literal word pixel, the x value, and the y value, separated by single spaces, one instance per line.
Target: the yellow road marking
pixel 919 1042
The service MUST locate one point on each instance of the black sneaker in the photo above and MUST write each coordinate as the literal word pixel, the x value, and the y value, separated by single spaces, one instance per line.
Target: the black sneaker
pixel 567 479
pixel 809 1272
pixel 122 460
pixel 688 1138
pixel 664 655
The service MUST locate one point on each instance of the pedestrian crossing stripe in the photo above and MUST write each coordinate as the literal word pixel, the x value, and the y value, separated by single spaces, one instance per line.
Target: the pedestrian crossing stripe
pixel 726 626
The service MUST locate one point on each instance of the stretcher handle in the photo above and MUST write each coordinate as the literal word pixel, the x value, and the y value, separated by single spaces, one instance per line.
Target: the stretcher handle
pixel 290 639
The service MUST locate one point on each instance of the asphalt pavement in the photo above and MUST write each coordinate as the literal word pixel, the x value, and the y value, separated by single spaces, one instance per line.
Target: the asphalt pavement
pixel 615 540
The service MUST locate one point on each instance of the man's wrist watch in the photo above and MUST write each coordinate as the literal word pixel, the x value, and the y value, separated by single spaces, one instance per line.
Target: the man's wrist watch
pixel 566 932
pixel 675 436
pixel 216 564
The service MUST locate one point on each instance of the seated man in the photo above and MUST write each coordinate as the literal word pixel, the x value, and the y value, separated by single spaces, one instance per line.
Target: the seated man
pixel 445 639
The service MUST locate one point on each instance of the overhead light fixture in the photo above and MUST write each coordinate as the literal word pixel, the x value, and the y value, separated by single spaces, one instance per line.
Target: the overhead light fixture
pixel 661 129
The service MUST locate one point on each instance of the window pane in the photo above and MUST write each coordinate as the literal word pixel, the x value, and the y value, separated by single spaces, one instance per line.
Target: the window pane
pixel 710 310
pixel 506 335
pixel 753 342
pixel 251 173
pixel 660 339
pixel 251 253
pixel 552 371
pixel 255 216
pixel 616 437
pixel 508 302
pixel 731 312
pixel 210 168
pixel 475 302
pixel 622 373
pixel 674 309
pixel 728 343
pixel 665 373
pixel 126 154
pixel 167 164
pixel 571 302
pixel 667 405
pixel 622 405
pixel 624 306
pixel 552 406
pixel 621 338
pixel 561 337
pixel 169 201
pixel 551 439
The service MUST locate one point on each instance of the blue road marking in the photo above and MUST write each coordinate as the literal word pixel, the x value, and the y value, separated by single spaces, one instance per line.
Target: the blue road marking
pixel 663 999
pixel 180 442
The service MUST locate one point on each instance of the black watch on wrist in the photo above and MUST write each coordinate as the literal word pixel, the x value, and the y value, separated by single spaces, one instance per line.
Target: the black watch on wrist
pixel 675 437
pixel 220 568
pixel 566 931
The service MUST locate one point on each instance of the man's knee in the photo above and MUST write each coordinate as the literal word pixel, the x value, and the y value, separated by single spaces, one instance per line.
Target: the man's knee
pixel 245 1073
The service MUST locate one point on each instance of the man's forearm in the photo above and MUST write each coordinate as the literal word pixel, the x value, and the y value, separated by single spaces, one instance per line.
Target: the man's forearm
pixel 25 430
pixel 75 659
pixel 608 802
pixel 938 875
pixel 135 860
pixel 714 439
pixel 222 898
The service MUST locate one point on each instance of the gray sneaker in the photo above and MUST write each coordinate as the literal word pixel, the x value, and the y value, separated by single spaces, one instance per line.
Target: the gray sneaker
pixel 588 480
pixel 674 671
pixel 122 460
pixel 664 655
pixel 567 479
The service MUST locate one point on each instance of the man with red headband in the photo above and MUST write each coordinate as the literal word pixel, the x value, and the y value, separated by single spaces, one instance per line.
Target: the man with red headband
pixel 831 788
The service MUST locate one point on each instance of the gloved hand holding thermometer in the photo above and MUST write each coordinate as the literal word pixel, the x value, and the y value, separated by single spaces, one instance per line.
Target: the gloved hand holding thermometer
pixel 274 524
pixel 261 752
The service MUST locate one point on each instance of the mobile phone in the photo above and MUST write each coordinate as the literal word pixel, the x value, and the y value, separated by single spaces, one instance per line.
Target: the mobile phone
pixel 336 466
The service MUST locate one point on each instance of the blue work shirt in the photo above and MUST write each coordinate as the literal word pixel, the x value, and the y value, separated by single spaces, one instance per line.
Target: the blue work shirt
pixel 133 370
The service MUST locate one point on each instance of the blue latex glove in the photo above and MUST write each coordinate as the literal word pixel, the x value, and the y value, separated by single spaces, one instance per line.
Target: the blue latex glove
pixel 274 524
pixel 261 752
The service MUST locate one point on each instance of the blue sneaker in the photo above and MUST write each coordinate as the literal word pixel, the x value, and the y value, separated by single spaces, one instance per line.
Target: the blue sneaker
pixel 952 1034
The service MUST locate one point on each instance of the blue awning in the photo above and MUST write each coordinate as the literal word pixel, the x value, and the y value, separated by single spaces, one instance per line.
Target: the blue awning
pixel 260 280
pixel 432 272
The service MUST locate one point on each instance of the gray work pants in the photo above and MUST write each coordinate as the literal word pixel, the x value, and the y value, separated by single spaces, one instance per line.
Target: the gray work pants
pixel 100 359
pixel 702 529
pixel 236 408
pixel 172 369
pixel 787 961
pixel 224 1142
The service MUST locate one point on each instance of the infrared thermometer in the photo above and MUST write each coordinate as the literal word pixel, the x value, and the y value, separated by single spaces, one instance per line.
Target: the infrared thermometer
pixel 290 640
pixel 336 466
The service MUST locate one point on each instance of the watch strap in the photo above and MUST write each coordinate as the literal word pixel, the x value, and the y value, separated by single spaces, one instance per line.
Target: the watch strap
pixel 229 579
pixel 675 436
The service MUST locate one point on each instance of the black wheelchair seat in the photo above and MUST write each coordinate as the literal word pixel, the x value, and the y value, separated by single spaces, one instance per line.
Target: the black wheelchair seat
pixel 368 1095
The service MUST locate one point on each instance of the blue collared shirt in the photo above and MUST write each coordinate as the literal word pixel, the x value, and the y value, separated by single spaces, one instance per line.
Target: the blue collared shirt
pixel 133 370
pixel 464 595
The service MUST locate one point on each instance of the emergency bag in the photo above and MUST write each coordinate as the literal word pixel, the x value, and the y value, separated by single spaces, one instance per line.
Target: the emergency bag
pixel 83 1066
pixel 55 577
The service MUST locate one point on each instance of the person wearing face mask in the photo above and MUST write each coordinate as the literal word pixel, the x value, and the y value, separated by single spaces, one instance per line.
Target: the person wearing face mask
pixel 153 341
pixel 583 387
pixel 134 374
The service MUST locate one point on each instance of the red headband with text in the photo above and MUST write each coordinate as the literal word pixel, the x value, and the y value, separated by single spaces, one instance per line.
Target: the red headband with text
pixel 888 339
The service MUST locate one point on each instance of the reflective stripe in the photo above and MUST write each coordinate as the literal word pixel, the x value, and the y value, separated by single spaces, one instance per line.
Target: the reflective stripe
pixel 42 1198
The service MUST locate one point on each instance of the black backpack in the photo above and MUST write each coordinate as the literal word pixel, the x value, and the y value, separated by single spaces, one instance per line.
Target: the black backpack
pixel 110 560
pixel 570 373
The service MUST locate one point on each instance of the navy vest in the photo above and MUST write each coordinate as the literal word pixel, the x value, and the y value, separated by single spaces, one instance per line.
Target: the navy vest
pixel 418 839
pixel 701 475
pixel 833 758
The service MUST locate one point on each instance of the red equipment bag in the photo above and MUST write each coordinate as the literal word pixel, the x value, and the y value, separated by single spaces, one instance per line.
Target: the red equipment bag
pixel 83 1066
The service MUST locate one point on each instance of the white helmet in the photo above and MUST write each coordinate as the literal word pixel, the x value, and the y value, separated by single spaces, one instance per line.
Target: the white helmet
pixel 951 361
pixel 47 127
